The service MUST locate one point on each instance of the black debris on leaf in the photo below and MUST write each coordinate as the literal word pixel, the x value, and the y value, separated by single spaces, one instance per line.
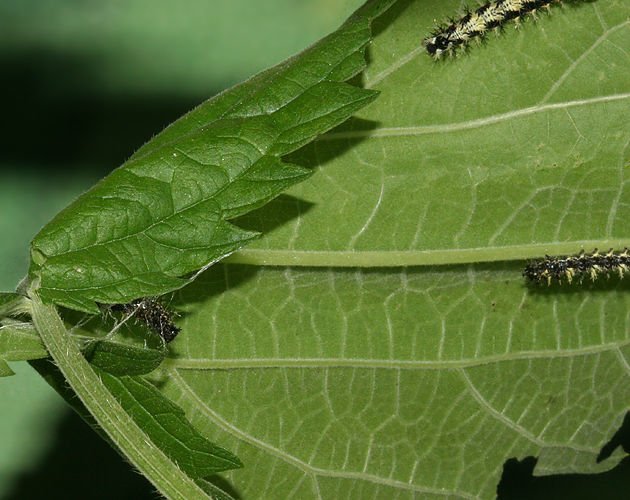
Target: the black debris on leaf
pixel 153 314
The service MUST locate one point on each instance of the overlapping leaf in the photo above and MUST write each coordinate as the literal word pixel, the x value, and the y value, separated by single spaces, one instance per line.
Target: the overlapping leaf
pixel 166 425
pixel 164 213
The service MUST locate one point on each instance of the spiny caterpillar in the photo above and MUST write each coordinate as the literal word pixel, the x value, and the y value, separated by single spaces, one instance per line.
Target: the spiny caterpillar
pixel 478 22
pixel 153 314
pixel 578 266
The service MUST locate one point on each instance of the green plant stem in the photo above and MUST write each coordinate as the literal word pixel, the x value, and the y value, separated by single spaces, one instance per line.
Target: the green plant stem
pixel 169 480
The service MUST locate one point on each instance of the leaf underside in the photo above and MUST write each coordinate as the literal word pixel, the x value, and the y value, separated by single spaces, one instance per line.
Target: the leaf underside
pixel 345 382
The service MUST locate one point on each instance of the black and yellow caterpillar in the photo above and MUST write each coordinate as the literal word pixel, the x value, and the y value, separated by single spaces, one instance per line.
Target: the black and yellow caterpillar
pixel 478 22
pixel 578 266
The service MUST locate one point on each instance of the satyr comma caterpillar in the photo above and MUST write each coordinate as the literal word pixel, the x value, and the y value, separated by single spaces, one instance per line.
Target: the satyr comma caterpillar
pixel 578 266
pixel 476 23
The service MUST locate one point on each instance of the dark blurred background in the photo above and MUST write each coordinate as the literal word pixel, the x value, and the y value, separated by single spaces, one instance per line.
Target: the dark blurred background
pixel 83 85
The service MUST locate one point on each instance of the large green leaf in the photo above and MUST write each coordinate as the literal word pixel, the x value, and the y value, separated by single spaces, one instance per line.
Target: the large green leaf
pixel 346 382
pixel 164 213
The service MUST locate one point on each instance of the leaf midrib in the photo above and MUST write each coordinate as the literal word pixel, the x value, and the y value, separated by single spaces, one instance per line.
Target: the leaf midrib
pixel 405 258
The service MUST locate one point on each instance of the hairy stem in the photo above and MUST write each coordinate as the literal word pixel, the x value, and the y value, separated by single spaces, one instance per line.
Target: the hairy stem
pixel 169 480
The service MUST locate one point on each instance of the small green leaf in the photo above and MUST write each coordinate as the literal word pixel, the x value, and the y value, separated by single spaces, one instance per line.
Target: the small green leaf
pixel 123 359
pixel 5 369
pixel 166 421
pixel 166 425
pixel 19 341
pixel 164 213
